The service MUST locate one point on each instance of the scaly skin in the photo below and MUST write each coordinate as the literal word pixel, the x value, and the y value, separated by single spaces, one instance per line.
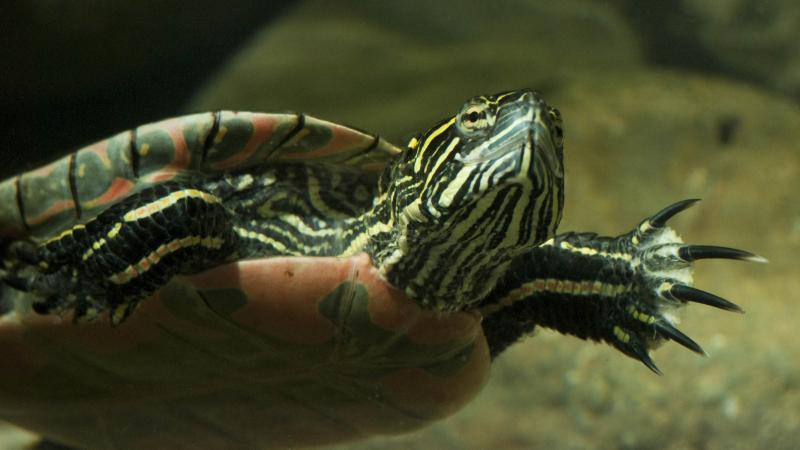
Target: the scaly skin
pixel 456 221
pixel 622 290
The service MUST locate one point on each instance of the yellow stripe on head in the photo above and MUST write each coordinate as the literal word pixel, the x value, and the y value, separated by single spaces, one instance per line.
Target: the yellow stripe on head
pixel 433 135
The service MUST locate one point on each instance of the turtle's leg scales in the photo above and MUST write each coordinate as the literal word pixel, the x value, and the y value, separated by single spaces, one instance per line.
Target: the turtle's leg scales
pixel 124 254
pixel 24 251
pixel 621 290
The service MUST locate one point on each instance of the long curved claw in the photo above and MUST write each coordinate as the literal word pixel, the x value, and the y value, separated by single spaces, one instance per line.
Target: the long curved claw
pixel 661 268
pixel 690 253
pixel 669 331
pixel 659 219
pixel 643 355
pixel 690 294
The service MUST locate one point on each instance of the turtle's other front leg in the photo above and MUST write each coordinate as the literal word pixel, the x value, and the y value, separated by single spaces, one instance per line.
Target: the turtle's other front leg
pixel 124 254
pixel 620 290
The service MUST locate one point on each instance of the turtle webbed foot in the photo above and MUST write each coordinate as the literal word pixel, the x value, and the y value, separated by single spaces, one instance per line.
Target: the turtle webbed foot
pixel 660 269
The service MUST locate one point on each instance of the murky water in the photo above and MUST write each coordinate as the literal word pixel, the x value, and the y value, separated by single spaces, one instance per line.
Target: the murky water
pixel 659 104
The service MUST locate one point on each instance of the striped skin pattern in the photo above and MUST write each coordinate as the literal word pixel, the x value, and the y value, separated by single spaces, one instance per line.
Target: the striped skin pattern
pixel 622 290
pixel 464 218
pixel 491 171
pixel 126 252
pixel 437 211
pixel 474 192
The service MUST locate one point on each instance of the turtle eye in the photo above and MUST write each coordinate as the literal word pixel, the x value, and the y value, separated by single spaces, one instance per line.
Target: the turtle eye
pixel 474 117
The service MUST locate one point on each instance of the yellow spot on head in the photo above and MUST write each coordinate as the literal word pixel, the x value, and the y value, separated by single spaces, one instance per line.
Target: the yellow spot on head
pixel 144 149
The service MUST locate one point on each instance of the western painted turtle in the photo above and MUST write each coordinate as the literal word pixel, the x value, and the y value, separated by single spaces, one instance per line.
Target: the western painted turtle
pixel 305 282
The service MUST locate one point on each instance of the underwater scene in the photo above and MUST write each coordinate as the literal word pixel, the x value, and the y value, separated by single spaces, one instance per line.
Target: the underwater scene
pixel 658 102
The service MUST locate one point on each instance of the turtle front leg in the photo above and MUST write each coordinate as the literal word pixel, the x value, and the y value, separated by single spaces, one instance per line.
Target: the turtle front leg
pixel 620 290
pixel 124 254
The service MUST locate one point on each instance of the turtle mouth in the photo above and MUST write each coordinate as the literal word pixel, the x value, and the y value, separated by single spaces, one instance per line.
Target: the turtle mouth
pixel 545 151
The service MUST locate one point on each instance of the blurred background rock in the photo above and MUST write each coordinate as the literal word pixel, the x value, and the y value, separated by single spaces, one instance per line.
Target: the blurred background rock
pixel 661 100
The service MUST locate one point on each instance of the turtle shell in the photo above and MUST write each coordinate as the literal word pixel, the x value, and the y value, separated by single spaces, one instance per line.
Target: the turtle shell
pixel 264 353
pixel 78 186
pixel 269 353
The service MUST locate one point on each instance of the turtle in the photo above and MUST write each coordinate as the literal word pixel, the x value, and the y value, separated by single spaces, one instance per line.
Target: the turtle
pixel 271 280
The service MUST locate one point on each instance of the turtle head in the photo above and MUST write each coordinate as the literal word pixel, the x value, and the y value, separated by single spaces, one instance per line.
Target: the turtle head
pixel 471 193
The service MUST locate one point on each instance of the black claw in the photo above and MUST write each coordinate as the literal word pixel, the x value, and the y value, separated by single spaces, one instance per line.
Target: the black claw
pixel 690 294
pixel 660 218
pixel 667 330
pixel 642 355
pixel 691 253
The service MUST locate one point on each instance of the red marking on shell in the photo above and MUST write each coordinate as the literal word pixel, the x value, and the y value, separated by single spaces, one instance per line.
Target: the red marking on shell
pixel 395 312
pixel 119 189
pixel 182 159
pixel 56 208
pixel 183 155
pixel 342 139
pixel 433 396
pixel 161 176
pixel 281 306
pixel 177 348
pixel 101 150
pixel 263 127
